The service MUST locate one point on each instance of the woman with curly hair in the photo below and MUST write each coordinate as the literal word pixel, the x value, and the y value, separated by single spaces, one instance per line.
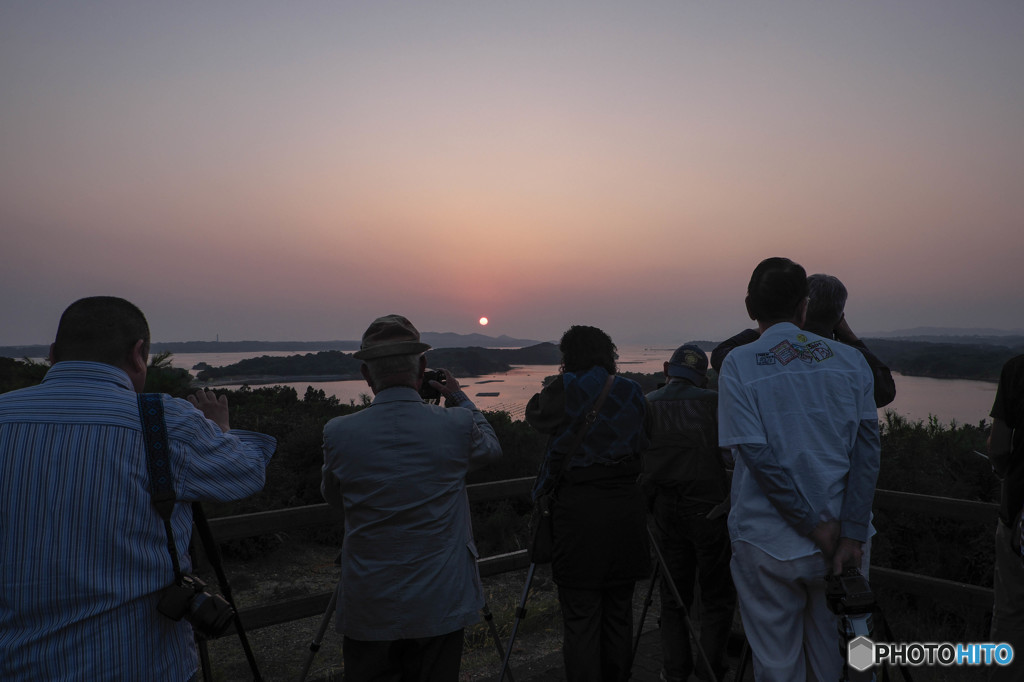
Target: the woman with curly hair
pixel 598 510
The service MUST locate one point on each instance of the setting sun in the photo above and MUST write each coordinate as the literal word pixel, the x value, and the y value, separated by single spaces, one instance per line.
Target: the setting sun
pixel 483 320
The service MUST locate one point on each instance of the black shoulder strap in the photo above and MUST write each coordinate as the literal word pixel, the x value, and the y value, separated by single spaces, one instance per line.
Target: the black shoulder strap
pixel 158 462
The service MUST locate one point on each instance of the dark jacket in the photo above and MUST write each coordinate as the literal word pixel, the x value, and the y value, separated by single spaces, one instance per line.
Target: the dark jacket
pixel 683 458
pixel 599 513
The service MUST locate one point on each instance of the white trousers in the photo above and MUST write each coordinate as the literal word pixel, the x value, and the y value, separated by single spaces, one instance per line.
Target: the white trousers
pixel 793 635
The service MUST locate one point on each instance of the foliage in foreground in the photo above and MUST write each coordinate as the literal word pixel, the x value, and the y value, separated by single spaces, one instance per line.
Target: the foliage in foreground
pixel 922 457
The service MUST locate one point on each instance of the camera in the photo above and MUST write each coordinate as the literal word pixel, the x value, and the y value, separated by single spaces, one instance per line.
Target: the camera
pixel 428 392
pixel 210 614
pixel 849 596
pixel 849 593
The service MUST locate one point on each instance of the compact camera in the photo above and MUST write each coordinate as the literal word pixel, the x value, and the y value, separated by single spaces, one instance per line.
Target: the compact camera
pixel 210 614
pixel 428 392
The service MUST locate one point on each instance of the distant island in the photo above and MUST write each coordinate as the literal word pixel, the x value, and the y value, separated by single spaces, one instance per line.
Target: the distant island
pixel 435 339
pixel 970 354
pixel 956 360
pixel 339 366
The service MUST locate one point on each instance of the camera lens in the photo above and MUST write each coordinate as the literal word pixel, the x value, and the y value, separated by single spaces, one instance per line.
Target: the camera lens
pixel 210 614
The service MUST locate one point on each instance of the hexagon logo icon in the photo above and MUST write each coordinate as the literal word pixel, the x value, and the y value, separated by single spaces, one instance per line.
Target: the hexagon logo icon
pixel 860 653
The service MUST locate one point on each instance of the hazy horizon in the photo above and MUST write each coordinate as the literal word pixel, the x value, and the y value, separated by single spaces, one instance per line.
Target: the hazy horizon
pixel 288 171
pixel 667 343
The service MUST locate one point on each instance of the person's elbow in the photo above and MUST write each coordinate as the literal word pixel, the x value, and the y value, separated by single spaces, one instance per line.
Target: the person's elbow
pixel 885 393
pixel 489 453
pixel 330 490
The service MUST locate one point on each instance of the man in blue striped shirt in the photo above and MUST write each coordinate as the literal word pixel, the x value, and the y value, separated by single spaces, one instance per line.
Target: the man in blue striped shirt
pixel 83 551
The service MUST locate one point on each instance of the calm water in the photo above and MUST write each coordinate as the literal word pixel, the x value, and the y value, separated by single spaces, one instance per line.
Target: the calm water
pixel 965 402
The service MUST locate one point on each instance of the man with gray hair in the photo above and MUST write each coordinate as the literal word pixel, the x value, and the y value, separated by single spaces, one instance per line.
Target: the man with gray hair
pixel 826 316
pixel 409 579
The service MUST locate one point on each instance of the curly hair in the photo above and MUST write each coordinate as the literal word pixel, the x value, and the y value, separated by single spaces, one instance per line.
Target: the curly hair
pixel 585 347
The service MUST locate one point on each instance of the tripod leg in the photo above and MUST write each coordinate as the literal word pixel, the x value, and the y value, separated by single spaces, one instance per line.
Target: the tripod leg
pixel 520 614
pixel 213 555
pixel 675 595
pixel 314 646
pixel 204 658
pixel 648 600
pixel 489 617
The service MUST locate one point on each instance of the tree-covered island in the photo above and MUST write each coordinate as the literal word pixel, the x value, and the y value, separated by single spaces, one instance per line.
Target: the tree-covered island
pixel 339 366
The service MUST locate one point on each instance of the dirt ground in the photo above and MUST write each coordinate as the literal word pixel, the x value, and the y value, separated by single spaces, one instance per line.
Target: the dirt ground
pixel 300 569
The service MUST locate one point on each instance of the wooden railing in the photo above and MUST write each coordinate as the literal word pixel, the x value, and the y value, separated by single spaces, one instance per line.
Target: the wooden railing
pixel 249 525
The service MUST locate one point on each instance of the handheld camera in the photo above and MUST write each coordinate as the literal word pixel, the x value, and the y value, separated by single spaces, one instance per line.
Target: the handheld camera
pixel 428 392
pixel 209 614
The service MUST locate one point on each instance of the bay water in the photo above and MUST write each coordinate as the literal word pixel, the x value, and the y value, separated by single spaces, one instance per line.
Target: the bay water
pixel 917 398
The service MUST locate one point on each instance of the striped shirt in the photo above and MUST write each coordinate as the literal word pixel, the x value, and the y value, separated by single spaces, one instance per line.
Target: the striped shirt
pixel 83 551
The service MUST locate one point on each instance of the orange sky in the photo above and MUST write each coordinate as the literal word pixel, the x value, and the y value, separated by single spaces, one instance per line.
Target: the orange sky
pixel 280 171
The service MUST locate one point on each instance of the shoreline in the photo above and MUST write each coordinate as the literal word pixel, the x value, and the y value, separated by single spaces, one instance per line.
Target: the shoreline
pixel 264 379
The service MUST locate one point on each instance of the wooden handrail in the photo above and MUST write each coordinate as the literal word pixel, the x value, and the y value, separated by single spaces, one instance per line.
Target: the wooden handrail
pixel 264 615
pixel 947 507
pixel 280 520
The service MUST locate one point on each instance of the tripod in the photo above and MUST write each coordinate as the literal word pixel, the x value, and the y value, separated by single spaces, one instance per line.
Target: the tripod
pixel 213 556
pixel 660 566
pixel 314 646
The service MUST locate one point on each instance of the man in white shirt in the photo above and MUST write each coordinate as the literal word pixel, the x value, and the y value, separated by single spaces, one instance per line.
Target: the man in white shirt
pixel 798 412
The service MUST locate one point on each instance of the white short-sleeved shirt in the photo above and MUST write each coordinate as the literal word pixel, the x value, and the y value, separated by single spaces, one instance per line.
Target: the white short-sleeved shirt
pixel 804 396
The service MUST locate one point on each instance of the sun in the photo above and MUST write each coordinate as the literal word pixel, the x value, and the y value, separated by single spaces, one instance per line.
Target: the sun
pixel 484 321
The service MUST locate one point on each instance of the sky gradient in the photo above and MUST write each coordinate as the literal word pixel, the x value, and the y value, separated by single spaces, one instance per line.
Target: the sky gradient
pixel 290 171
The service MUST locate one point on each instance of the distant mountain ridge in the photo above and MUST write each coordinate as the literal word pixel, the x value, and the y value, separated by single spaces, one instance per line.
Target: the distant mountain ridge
pixel 435 339
pixel 949 331
pixel 452 340
pixel 991 337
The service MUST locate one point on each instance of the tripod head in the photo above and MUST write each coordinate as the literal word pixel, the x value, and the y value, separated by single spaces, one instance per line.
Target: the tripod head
pixel 849 596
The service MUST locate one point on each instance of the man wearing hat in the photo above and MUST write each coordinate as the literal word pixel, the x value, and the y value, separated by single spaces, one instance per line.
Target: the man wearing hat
pixel 409 580
pixel 684 476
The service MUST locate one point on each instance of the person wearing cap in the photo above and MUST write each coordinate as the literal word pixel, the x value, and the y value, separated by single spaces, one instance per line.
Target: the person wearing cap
pixel 686 482
pixel 409 580
pixel 798 412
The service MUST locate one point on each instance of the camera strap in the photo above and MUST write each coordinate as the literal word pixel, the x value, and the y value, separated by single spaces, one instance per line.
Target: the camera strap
pixel 158 463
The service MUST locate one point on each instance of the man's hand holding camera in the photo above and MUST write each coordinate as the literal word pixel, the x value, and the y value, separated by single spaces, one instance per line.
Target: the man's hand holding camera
pixel 447 388
pixel 439 383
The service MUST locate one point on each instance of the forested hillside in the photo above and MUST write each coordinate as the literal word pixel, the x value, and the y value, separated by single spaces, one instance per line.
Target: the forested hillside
pixel 977 361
